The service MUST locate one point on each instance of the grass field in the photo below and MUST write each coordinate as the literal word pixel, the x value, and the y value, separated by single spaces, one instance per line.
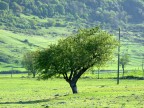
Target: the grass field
pixel 13 46
pixel 22 92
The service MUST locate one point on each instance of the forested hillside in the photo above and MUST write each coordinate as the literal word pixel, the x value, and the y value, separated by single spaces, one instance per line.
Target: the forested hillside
pixel 51 19
pixel 110 13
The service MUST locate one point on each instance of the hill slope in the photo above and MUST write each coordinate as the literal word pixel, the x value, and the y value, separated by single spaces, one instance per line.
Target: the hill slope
pixel 13 46
pixel 29 24
pixel 83 13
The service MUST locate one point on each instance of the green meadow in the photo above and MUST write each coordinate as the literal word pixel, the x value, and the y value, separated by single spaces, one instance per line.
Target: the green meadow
pixel 14 45
pixel 30 25
pixel 21 91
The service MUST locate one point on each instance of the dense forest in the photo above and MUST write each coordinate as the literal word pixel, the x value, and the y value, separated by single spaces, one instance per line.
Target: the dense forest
pixel 110 13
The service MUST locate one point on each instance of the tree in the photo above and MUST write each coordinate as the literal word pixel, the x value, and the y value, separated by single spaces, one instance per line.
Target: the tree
pixel 16 7
pixel 60 9
pixel 50 9
pixel 28 63
pixel 74 55
pixel 4 5
pixel 124 61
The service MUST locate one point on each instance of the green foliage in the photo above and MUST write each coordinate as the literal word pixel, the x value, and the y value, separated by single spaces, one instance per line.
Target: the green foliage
pixel 28 63
pixel 4 5
pixel 110 13
pixel 60 9
pixel 87 48
pixel 16 7
pixel 135 9
pixel 124 59
pixel 104 11
pixel 76 54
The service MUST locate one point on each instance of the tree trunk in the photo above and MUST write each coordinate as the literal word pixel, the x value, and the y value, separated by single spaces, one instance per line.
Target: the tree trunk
pixel 73 80
pixel 33 75
pixel 73 87
pixel 98 72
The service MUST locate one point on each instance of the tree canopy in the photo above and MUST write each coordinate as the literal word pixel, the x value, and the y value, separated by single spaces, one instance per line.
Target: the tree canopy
pixel 124 60
pixel 74 55
pixel 28 63
pixel 4 5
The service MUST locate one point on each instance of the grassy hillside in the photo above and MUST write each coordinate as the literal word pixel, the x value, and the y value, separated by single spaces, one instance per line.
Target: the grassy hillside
pixel 31 24
pixel 13 46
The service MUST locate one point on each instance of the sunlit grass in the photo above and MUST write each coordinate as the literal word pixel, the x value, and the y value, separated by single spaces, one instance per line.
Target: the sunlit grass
pixel 13 46
pixel 92 92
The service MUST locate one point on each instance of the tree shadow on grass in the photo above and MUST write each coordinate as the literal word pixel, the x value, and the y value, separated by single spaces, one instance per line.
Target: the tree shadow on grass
pixel 27 102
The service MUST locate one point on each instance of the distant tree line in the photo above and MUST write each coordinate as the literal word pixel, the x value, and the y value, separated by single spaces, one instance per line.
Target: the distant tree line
pixel 106 11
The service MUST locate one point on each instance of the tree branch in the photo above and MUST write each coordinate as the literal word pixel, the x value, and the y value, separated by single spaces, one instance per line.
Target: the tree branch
pixel 78 75
pixel 71 74
pixel 66 77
